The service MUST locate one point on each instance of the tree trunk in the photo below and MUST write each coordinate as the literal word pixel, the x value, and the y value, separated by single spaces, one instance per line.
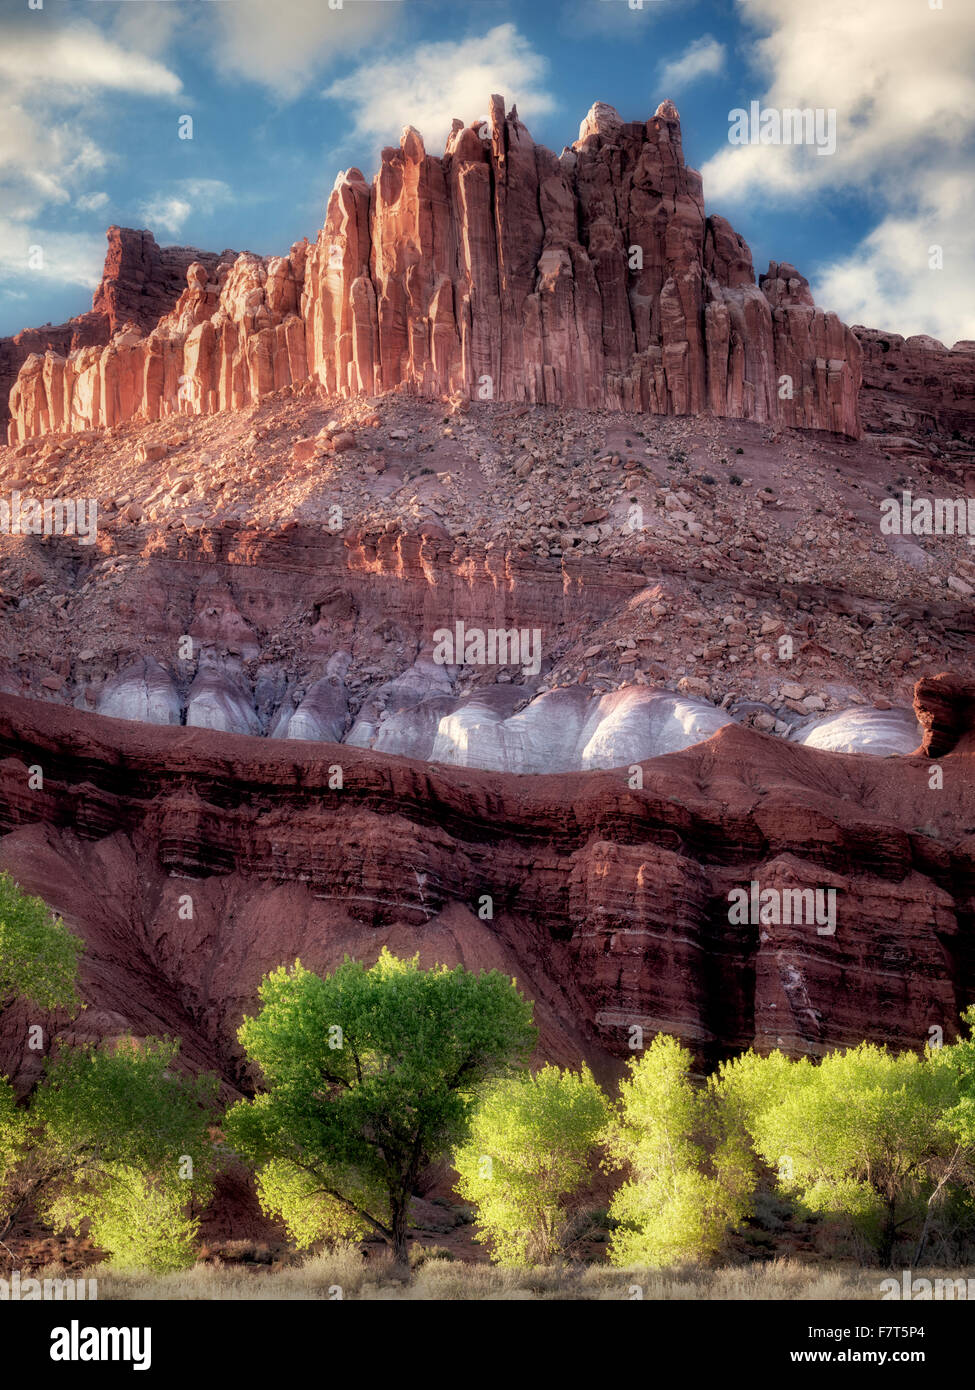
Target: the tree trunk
pixel 400 1244
pixel 922 1240
pixel 889 1235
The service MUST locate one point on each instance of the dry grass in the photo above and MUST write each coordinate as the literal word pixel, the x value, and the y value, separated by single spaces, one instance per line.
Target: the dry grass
pixel 346 1274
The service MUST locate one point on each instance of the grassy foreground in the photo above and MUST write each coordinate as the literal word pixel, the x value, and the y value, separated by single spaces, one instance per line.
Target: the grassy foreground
pixel 347 1275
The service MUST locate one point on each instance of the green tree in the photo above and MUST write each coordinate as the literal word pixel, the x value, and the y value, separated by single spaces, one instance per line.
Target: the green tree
pixel 13 1150
pixel 528 1151
pixel 687 1183
pixel 310 1215
pixel 956 1179
pixel 120 1139
pixel 959 1058
pixel 864 1133
pixel 38 955
pixel 372 1075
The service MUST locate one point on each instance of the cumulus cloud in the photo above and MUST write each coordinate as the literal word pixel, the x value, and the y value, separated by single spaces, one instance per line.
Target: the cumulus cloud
pixel 283 44
pixel 914 270
pixel 901 78
pixel 67 258
pixel 80 57
pixel 169 211
pixel 434 82
pixel 92 202
pixel 53 82
pixel 702 58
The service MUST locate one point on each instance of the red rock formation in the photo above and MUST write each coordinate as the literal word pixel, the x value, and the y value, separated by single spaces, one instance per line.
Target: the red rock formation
pixel 59 341
pixel 916 385
pixel 226 343
pixel 945 709
pixel 610 905
pixel 140 282
pixel 499 270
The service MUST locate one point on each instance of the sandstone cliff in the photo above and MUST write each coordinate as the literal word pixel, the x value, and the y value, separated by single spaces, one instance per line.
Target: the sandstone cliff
pixel 500 271
pixel 916 386
pixel 140 282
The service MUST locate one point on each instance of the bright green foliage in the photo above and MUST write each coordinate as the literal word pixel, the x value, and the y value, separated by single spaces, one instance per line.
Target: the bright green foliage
pixel 959 1058
pixel 123 1141
pixel 528 1151
pixel 863 1133
pixel 687 1185
pixel 144 1222
pixel 372 1075
pixel 38 955
pixel 740 1089
pixel 310 1215
pixel 13 1136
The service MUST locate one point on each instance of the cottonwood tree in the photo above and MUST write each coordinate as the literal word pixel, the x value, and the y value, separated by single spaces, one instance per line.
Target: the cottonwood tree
pixel 686 1185
pixel 864 1133
pixel 38 955
pixel 371 1076
pixel 529 1148
pixel 118 1138
pixel 957 1169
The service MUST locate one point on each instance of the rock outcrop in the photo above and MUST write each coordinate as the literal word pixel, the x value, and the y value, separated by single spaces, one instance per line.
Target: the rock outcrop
pixel 884 733
pixel 610 905
pixel 140 282
pixel 500 271
pixel 917 386
pixel 945 709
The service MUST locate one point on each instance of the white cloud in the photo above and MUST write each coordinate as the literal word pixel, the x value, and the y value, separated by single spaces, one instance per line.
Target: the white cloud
pixel 66 258
pixel 166 214
pixel 92 202
pixel 890 281
pixel 169 211
pixel 80 56
pixel 52 84
pixel 901 78
pixel 282 44
pixel 434 82
pixel 702 58
pixel 151 28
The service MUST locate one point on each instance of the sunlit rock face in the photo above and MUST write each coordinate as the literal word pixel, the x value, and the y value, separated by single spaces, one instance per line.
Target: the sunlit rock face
pixel 498 259
pixel 144 691
pixel 883 732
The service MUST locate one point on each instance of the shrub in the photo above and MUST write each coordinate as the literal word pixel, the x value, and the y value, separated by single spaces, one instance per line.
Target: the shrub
pixel 688 1183
pixel 528 1152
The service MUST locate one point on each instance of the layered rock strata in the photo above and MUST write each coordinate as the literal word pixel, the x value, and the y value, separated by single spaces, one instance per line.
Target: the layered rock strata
pixel 610 904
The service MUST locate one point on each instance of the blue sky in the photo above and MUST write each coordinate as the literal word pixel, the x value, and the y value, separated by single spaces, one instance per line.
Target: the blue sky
pixel 284 93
